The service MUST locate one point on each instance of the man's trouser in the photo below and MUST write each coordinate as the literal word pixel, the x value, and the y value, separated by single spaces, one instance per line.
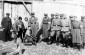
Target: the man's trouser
pixel 66 35
pixel 8 35
pixel 20 32
pixel 57 33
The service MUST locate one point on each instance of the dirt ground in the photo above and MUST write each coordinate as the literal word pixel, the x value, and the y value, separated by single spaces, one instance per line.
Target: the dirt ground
pixel 44 49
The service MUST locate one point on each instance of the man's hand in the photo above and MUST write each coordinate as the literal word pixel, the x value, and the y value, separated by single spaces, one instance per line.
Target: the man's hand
pixel 11 30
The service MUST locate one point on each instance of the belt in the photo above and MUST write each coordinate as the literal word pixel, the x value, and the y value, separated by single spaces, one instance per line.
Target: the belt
pixel 65 26
pixel 56 25
pixel 76 28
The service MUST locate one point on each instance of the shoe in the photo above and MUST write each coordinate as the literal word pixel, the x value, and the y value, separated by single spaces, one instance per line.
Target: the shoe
pixel 49 43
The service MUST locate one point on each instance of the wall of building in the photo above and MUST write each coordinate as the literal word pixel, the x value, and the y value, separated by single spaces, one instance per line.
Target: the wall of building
pixel 0 13
pixel 57 7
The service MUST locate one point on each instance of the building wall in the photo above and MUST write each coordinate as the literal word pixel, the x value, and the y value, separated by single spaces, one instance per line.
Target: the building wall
pixel 56 7
pixel 17 10
pixel 0 13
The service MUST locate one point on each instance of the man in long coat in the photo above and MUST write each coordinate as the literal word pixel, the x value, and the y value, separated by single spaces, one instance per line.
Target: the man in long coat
pixel 76 34
pixel 56 27
pixel 33 25
pixel 44 26
pixel 7 25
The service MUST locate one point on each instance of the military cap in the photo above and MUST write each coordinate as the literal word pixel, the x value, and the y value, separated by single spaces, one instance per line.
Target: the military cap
pixel 45 14
pixel 52 14
pixel 32 13
pixel 61 15
pixel 71 16
pixel 7 14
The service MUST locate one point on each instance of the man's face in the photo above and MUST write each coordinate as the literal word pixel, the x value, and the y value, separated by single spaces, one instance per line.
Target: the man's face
pixel 33 15
pixel 46 16
pixel 7 15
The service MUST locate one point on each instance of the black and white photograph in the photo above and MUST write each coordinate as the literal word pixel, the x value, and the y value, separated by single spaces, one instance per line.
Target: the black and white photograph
pixel 42 27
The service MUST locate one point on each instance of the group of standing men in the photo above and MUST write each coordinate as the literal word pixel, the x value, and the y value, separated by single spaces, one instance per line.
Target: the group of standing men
pixel 66 29
pixel 63 28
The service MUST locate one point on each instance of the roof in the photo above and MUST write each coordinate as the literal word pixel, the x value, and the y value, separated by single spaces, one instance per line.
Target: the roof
pixel 16 1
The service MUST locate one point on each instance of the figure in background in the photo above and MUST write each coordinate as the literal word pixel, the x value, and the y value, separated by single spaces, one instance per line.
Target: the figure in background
pixel 7 25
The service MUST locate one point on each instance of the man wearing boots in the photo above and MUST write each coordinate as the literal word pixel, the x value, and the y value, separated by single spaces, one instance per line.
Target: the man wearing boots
pixel 66 26
pixel 51 39
pixel 56 27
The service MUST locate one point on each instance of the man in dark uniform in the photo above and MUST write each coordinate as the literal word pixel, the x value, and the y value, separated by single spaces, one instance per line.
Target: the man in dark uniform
pixel 33 25
pixel 7 25
pixel 56 27
pixel 66 26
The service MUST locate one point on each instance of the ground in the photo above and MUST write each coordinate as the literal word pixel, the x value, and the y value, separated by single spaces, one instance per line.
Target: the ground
pixel 44 49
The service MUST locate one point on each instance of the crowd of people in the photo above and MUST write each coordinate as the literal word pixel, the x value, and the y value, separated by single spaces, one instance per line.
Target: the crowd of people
pixel 58 29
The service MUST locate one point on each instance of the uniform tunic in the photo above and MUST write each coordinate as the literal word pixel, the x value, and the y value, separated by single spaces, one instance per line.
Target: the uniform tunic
pixel 66 25
pixel 45 27
pixel 34 25
pixel 56 24
pixel 76 37
pixel 83 31
pixel 56 27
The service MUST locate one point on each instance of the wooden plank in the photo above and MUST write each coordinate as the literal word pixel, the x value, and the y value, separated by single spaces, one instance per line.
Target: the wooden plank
pixel 25 7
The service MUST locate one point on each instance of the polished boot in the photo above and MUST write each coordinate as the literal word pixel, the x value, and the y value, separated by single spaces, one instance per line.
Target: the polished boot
pixel 49 41
pixel 79 47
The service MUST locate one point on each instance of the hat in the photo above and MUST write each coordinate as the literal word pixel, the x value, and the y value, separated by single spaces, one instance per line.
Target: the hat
pixel 52 14
pixel 45 14
pixel 7 14
pixel 32 13
pixel 61 15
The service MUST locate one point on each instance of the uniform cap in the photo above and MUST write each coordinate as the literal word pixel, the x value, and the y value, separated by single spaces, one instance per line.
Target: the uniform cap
pixel 71 16
pixel 61 15
pixel 32 13
pixel 52 14
pixel 45 14
pixel 7 14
